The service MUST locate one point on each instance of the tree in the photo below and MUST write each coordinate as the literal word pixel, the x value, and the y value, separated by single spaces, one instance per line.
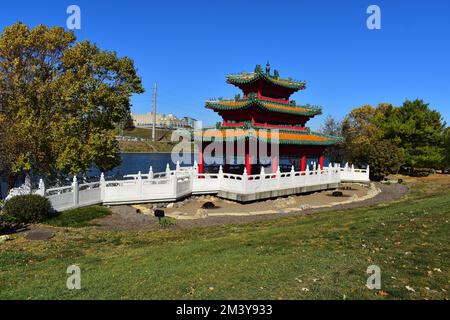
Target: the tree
pixel 333 127
pixel 61 100
pixel 417 130
pixel 446 160
pixel 365 143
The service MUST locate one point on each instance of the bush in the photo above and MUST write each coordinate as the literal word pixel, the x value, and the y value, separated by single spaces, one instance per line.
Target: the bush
pixel 25 209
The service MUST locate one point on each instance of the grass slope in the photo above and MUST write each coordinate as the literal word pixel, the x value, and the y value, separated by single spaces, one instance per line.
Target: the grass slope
pixel 78 218
pixel 323 255
pixel 161 134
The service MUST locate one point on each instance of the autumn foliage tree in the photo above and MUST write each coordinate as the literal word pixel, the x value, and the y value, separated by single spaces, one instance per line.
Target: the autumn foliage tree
pixel 388 137
pixel 60 101
pixel 364 143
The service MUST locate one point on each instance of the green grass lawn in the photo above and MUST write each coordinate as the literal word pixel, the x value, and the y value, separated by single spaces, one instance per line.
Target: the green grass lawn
pixel 161 134
pixel 323 255
pixel 78 218
pixel 145 146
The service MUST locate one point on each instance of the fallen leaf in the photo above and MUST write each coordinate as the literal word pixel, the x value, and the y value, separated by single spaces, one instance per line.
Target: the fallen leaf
pixel 410 289
pixel 381 293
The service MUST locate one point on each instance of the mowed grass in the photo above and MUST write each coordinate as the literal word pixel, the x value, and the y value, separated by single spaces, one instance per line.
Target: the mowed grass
pixel 161 134
pixel 318 256
pixel 78 218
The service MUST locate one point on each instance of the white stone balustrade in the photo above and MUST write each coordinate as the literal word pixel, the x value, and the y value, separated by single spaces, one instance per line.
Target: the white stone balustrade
pixel 171 185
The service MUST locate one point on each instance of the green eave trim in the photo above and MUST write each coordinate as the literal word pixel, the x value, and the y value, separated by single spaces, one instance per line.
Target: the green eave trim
pixel 219 105
pixel 250 77
pixel 332 139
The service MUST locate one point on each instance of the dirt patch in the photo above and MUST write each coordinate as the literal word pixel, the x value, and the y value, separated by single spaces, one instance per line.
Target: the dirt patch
pixel 188 216
pixel 388 193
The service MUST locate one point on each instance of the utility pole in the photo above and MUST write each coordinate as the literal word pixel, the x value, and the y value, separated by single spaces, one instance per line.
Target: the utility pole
pixel 154 114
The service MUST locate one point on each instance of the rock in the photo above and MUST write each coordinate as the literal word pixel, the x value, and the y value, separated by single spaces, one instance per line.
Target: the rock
pixel 149 212
pixel 4 238
pixel 284 202
pixel 39 234
pixel 337 194
pixel 208 205
pixel 202 213
pixel 170 205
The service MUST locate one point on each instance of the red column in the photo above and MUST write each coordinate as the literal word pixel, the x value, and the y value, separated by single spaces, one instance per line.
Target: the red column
pixel 248 162
pixel 201 164
pixel 321 160
pixel 303 162
pixel 274 164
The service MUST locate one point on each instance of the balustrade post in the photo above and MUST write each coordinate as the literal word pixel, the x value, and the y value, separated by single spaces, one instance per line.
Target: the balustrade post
pixel 41 190
pixel 150 173
pixel 319 174
pixel 293 176
pixel 75 191
pixel 278 177
pixel 174 181
pixel 178 167
pixel 102 187
pixel 167 171
pixel 307 175
pixel 139 182
pixel 244 180
pixel 220 176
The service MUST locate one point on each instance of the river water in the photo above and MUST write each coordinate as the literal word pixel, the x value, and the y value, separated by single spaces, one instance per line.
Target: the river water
pixel 135 162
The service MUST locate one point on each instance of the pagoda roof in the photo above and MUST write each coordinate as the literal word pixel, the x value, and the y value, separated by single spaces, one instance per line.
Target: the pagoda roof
pixel 284 136
pixel 251 77
pixel 237 104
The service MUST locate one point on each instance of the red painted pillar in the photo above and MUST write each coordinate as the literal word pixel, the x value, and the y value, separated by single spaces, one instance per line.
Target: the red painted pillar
pixel 321 160
pixel 248 162
pixel 274 164
pixel 303 162
pixel 201 163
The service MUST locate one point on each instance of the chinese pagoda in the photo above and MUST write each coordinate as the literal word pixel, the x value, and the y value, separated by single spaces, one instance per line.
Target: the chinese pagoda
pixel 265 105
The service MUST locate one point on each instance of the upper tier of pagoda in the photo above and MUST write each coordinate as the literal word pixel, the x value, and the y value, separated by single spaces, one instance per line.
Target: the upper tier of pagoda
pixel 266 85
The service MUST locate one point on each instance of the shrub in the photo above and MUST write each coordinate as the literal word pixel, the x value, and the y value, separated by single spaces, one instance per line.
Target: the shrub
pixel 166 222
pixel 24 209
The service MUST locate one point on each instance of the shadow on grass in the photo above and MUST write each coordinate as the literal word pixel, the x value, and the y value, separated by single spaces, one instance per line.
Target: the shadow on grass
pixel 78 218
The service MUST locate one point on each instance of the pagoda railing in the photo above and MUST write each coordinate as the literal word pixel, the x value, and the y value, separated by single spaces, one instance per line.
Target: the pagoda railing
pixel 172 185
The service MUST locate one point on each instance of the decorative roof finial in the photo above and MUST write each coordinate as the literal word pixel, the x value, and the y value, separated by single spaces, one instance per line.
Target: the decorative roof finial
pixel 268 68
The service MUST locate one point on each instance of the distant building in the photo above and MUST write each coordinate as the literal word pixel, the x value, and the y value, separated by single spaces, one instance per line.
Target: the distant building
pixel 162 121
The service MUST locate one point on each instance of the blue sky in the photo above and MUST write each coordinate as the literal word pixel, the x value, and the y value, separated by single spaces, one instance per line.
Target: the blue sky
pixel 189 46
